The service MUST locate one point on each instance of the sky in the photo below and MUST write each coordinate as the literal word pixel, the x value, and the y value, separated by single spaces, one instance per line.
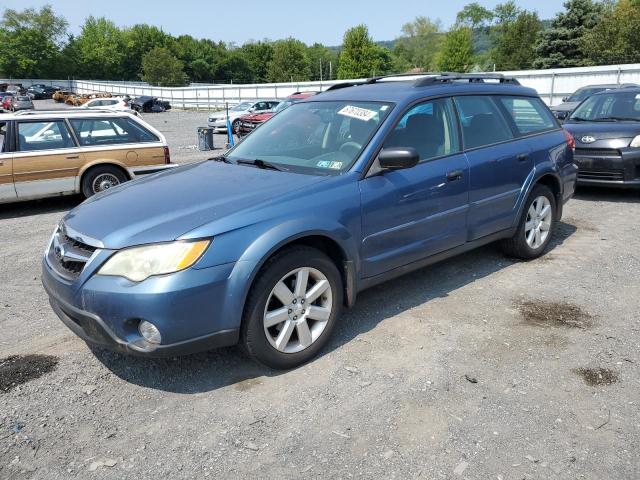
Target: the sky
pixel 238 21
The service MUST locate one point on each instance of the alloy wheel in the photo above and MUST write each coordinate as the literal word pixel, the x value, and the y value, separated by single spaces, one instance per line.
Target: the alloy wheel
pixel 538 224
pixel 104 181
pixel 297 310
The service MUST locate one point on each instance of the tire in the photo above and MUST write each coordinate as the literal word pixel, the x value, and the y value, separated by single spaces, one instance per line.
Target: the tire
pixel 307 329
pixel 523 244
pixel 235 127
pixel 102 178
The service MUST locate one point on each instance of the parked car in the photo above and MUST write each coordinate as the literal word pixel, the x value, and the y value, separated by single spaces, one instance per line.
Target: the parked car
pixel 7 98
pixel 149 104
pixel 569 104
pixel 16 89
pixel 39 92
pixel 113 103
pixel 218 120
pixel 20 102
pixel 265 244
pixel 606 128
pixel 249 122
pixel 66 152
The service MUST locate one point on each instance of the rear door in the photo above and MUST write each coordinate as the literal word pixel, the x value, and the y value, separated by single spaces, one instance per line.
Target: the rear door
pixel 499 163
pixel 7 189
pixel 46 160
pixel 411 214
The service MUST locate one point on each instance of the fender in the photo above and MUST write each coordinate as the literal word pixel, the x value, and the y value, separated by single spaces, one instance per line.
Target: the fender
pixel 532 180
pixel 100 161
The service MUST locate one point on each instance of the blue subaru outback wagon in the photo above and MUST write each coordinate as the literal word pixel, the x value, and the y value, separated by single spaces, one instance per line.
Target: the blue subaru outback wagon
pixel 264 245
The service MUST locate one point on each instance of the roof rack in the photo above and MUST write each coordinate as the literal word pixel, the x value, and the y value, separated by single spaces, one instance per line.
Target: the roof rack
pixel 469 77
pixel 69 110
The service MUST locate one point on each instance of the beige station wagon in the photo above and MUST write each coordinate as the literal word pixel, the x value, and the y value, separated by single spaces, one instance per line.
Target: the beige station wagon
pixel 49 153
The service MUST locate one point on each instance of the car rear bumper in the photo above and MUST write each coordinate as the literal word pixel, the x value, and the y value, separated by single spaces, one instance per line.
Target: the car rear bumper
pixel 608 168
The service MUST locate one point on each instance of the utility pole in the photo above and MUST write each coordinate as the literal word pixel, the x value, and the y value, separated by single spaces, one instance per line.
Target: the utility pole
pixel 320 70
pixel 330 75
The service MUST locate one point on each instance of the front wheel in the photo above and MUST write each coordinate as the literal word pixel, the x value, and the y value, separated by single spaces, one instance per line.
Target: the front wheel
pixel 235 127
pixel 102 178
pixel 536 225
pixel 292 308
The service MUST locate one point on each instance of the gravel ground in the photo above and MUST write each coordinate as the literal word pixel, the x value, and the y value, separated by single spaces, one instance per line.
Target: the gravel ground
pixel 479 367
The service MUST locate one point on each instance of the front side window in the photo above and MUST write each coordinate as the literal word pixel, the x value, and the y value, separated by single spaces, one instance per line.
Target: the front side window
pixel 529 114
pixel 429 128
pixel 43 135
pixel 318 138
pixel 609 107
pixel 109 131
pixel 242 107
pixel 481 120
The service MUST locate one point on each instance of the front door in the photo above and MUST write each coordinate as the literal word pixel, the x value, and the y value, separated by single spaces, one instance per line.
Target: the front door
pixel 7 190
pixel 46 161
pixel 411 214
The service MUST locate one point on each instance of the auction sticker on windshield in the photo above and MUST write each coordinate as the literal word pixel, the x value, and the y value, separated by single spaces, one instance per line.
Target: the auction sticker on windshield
pixel 357 112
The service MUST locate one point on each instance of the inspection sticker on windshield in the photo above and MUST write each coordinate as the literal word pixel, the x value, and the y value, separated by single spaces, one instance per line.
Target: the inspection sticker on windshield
pixel 357 112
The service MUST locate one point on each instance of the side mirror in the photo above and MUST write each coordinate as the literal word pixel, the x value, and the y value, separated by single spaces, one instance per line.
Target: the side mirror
pixel 397 158
pixel 565 99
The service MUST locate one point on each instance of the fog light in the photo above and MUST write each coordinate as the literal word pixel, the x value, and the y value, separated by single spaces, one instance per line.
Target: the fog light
pixel 150 332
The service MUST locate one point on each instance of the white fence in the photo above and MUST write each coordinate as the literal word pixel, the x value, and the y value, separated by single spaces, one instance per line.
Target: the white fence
pixel 552 85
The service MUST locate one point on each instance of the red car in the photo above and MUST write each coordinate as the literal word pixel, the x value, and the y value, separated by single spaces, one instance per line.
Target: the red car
pixel 6 98
pixel 250 122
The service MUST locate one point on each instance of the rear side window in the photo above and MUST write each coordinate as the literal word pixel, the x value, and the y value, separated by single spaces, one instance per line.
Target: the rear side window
pixel 110 131
pixel 482 122
pixel 529 114
pixel 43 135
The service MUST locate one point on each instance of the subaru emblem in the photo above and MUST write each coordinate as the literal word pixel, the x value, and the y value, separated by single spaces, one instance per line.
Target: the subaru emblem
pixel 588 139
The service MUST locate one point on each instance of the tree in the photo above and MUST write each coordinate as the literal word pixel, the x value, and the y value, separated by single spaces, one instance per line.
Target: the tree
pixel 562 44
pixel 257 56
pixel 31 41
pixel 322 61
pixel 419 43
pixel 474 16
pixel 616 38
pixel 160 67
pixel 138 41
pixel 457 52
pixel 289 62
pixel 100 49
pixel 361 57
pixel 233 67
pixel 515 45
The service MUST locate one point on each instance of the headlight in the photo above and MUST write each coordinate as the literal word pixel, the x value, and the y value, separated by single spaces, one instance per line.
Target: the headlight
pixel 140 263
pixel 635 143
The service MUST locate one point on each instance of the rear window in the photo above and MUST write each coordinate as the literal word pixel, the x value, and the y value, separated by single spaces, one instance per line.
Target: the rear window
pixel 529 114
pixel 110 131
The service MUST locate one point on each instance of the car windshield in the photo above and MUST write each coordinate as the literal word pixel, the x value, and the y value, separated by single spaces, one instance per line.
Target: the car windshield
pixel 243 106
pixel 318 138
pixel 609 107
pixel 282 105
pixel 23 99
pixel 583 93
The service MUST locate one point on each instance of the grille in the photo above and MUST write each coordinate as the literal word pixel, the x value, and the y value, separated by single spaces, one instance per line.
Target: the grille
pixel 599 174
pixel 596 152
pixel 68 256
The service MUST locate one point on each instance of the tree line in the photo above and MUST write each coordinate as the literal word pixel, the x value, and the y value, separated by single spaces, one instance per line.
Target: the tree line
pixel 37 44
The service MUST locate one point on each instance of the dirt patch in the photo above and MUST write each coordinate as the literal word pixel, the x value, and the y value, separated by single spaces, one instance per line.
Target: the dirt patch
pixel 597 376
pixel 554 314
pixel 18 369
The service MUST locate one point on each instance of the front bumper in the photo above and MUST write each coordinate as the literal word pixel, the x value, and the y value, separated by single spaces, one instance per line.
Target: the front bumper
pixel 218 124
pixel 608 168
pixel 188 308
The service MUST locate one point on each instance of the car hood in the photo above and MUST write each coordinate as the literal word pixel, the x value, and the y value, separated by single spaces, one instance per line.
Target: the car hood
pixel 258 117
pixel 165 206
pixel 565 107
pixel 603 134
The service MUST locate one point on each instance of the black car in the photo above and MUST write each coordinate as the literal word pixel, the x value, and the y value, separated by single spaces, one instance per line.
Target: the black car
pixel 569 104
pixel 40 92
pixel 606 129
pixel 149 104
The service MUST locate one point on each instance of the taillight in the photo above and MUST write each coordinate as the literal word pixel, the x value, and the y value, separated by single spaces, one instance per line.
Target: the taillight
pixel 167 157
pixel 570 140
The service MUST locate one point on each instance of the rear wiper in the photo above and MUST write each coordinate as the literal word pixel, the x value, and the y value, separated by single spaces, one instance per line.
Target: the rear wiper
pixel 220 158
pixel 260 164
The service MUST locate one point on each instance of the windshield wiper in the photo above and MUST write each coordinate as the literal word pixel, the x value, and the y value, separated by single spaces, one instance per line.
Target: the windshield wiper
pixel 220 158
pixel 623 119
pixel 579 119
pixel 260 164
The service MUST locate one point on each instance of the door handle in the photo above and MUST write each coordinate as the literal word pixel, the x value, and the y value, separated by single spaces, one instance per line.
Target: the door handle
pixel 454 175
pixel 71 157
pixel 523 157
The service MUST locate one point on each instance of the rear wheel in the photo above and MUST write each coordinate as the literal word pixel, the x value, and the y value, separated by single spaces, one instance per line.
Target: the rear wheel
pixel 235 127
pixel 102 178
pixel 536 225
pixel 292 308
